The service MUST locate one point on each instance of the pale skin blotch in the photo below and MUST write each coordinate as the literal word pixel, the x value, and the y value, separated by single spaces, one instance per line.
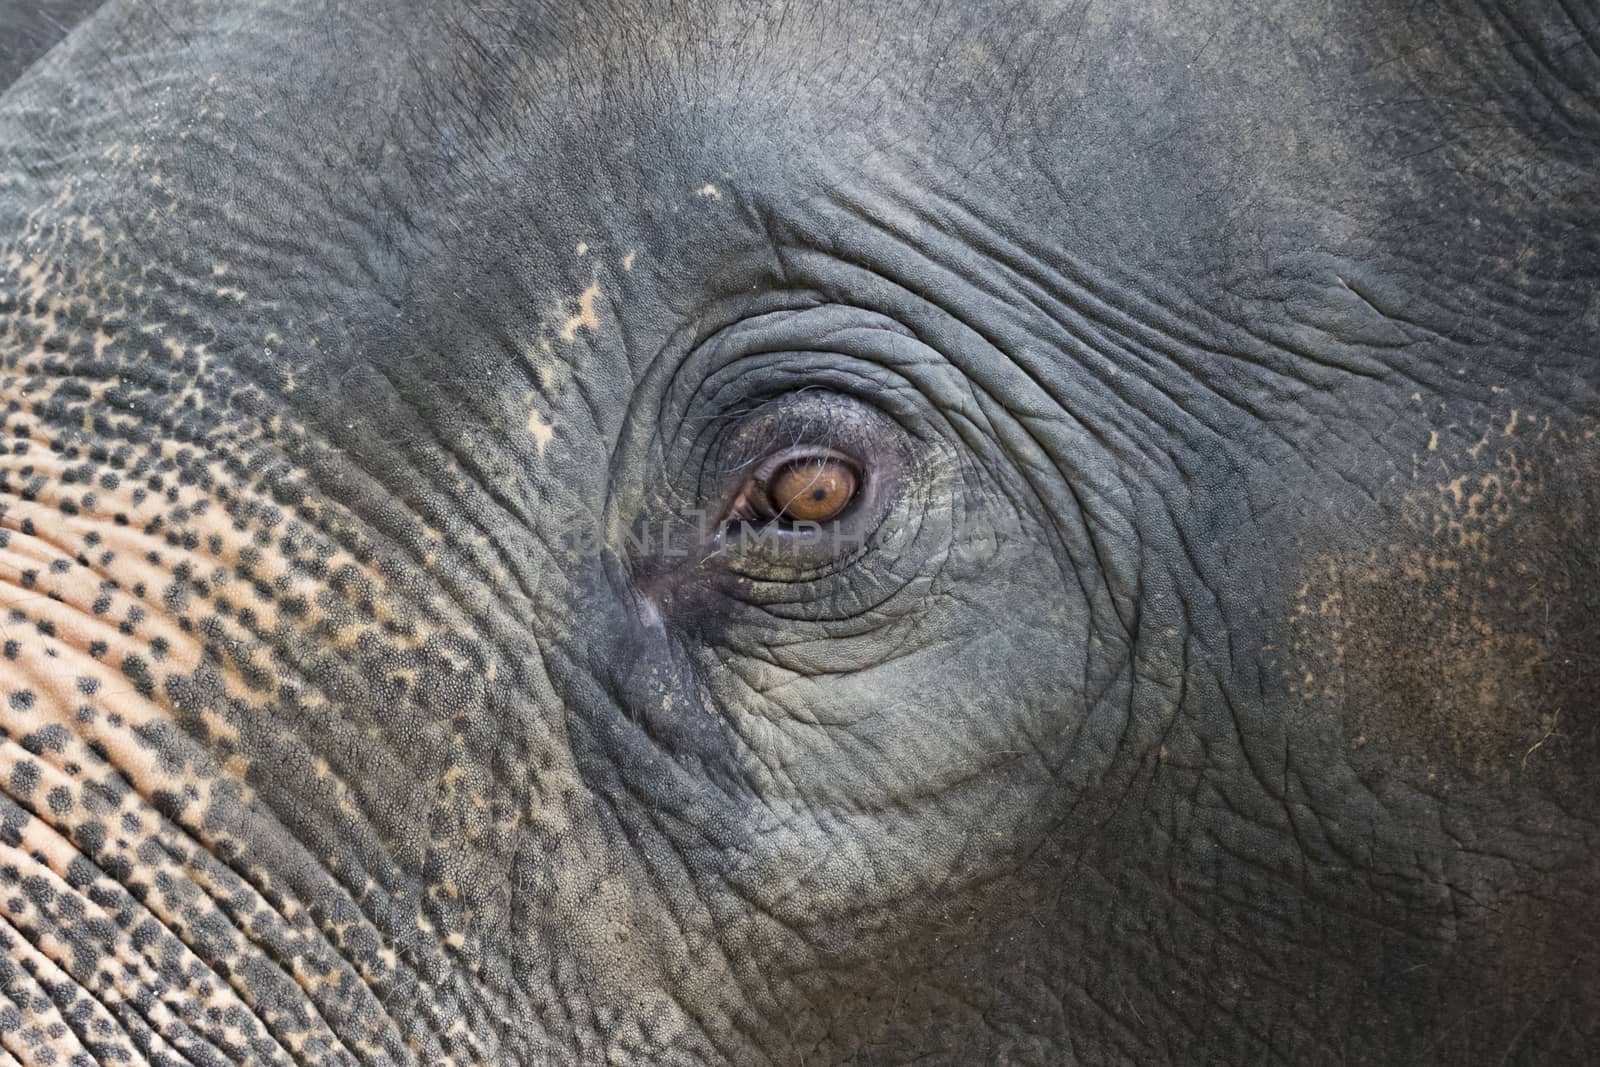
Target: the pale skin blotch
pixel 586 318
pixel 541 430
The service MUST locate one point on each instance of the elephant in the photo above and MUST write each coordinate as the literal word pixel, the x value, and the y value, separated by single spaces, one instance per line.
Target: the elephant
pixel 790 532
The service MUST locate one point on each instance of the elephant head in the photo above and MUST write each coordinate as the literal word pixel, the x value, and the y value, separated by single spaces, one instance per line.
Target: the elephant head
pixel 779 533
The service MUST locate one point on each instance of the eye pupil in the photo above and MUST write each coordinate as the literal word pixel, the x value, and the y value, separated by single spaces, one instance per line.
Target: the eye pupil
pixel 813 489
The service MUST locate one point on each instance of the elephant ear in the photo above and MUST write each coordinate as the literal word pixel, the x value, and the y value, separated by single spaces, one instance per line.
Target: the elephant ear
pixel 30 28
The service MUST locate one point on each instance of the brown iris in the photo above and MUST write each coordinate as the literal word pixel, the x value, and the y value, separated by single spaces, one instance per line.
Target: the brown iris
pixel 815 489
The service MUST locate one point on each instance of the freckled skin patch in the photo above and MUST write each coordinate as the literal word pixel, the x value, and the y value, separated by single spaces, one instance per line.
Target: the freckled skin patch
pixel 159 591
pixel 182 620
pixel 1462 638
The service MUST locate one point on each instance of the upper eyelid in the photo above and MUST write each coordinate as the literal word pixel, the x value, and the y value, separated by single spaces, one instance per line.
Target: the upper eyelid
pixel 762 456
pixel 773 462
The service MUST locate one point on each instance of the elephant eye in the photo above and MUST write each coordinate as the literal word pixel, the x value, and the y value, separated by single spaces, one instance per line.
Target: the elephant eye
pixel 812 490
pixel 813 487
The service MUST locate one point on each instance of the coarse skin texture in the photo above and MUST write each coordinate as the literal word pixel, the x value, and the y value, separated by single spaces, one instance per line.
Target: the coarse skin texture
pixel 30 28
pixel 1216 680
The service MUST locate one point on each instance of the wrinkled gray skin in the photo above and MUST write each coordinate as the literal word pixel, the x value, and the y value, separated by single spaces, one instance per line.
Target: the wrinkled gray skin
pixel 1215 680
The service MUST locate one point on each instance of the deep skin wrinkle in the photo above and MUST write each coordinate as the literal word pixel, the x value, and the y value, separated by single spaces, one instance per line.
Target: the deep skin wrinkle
pixel 1210 674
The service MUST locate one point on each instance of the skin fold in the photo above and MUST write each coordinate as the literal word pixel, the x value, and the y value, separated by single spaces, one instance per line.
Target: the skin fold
pixel 399 667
